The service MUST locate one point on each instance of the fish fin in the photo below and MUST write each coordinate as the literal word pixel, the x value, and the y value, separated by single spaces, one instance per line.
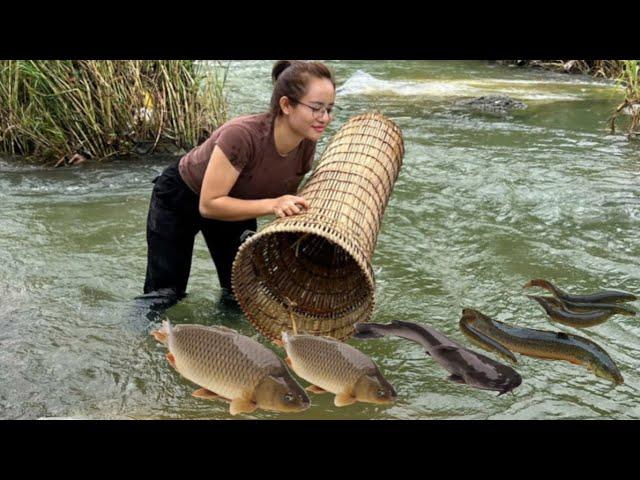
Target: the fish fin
pixel 205 394
pixel 240 405
pixel 172 360
pixel 222 328
pixel 445 348
pixel 562 335
pixel 160 336
pixel 278 342
pixel 289 362
pixel 315 389
pixel 456 378
pixel 344 399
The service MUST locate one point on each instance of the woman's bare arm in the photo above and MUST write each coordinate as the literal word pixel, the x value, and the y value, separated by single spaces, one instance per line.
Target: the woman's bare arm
pixel 216 203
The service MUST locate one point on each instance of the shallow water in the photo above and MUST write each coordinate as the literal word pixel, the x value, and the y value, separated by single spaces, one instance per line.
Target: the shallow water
pixel 483 204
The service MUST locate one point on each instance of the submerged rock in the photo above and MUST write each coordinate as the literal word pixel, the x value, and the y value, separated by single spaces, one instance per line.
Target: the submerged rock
pixel 499 104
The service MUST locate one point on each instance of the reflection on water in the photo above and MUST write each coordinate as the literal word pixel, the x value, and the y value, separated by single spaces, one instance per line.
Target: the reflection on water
pixel 482 204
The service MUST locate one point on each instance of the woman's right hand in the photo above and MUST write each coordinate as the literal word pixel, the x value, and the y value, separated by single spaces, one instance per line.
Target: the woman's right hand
pixel 289 205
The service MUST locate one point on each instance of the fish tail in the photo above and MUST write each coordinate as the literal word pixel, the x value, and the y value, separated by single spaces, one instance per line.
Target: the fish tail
pixel 286 338
pixel 161 334
pixel 166 324
pixel 365 330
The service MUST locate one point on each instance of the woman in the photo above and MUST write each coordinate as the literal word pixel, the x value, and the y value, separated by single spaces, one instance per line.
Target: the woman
pixel 249 167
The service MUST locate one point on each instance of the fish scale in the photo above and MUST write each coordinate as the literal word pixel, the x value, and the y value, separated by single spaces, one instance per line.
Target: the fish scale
pixel 218 359
pixel 327 363
pixel 541 343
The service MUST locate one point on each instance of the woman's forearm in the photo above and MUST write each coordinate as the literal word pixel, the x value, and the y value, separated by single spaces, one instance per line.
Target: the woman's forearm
pixel 231 209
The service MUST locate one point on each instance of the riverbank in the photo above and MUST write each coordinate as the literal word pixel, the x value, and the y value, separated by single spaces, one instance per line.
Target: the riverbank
pixel 66 112
pixel 626 72
pixel 609 69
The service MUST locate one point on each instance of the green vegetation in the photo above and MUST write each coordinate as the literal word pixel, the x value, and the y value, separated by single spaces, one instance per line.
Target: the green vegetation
pixel 624 71
pixel 631 105
pixel 598 68
pixel 51 110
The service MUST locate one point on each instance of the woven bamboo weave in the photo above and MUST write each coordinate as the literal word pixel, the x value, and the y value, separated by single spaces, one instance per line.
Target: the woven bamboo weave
pixel 315 267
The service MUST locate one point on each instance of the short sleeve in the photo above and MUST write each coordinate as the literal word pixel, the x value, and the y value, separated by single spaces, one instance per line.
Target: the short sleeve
pixel 235 142
pixel 307 161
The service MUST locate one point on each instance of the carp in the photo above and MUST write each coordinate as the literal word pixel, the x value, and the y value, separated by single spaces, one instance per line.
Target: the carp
pixel 231 367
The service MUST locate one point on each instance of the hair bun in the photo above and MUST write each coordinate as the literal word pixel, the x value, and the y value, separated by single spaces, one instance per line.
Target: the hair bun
pixel 279 67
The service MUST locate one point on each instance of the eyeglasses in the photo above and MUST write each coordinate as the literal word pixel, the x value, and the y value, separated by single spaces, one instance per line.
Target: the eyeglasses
pixel 318 112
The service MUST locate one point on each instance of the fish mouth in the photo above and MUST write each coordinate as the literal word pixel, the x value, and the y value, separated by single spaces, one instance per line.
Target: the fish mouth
pixel 516 382
pixel 615 377
pixel 510 387
pixel 304 401
pixel 611 376
pixel 388 400
pixel 302 406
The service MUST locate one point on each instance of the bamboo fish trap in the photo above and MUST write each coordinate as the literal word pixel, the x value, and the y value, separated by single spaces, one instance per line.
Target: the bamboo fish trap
pixel 316 266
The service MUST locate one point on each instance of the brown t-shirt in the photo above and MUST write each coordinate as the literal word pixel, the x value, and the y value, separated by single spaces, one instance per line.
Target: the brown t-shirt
pixel 249 145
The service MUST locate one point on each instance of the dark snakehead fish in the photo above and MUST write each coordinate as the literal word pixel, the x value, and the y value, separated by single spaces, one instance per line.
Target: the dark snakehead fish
pixel 555 309
pixel 497 336
pixel 464 365
pixel 605 296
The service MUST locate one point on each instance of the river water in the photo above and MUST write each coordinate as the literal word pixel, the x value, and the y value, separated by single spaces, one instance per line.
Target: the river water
pixel 483 203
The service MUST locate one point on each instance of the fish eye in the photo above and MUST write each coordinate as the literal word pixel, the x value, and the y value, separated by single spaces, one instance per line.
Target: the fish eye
pixel 288 397
pixel 381 393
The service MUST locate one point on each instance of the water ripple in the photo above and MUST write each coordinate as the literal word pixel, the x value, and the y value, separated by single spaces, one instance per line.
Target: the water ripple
pixel 482 205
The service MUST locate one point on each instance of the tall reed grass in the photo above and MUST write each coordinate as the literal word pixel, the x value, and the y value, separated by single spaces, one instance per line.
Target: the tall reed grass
pixel 626 72
pixel 51 110
pixel 598 68
pixel 629 79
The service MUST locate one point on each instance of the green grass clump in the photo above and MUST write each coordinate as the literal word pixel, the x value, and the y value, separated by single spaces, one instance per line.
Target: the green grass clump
pixel 631 104
pixel 51 110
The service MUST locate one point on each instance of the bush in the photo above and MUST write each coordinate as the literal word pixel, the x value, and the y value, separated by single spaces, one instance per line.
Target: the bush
pixel 51 110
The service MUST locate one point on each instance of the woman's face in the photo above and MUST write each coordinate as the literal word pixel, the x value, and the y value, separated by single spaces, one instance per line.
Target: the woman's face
pixel 309 117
